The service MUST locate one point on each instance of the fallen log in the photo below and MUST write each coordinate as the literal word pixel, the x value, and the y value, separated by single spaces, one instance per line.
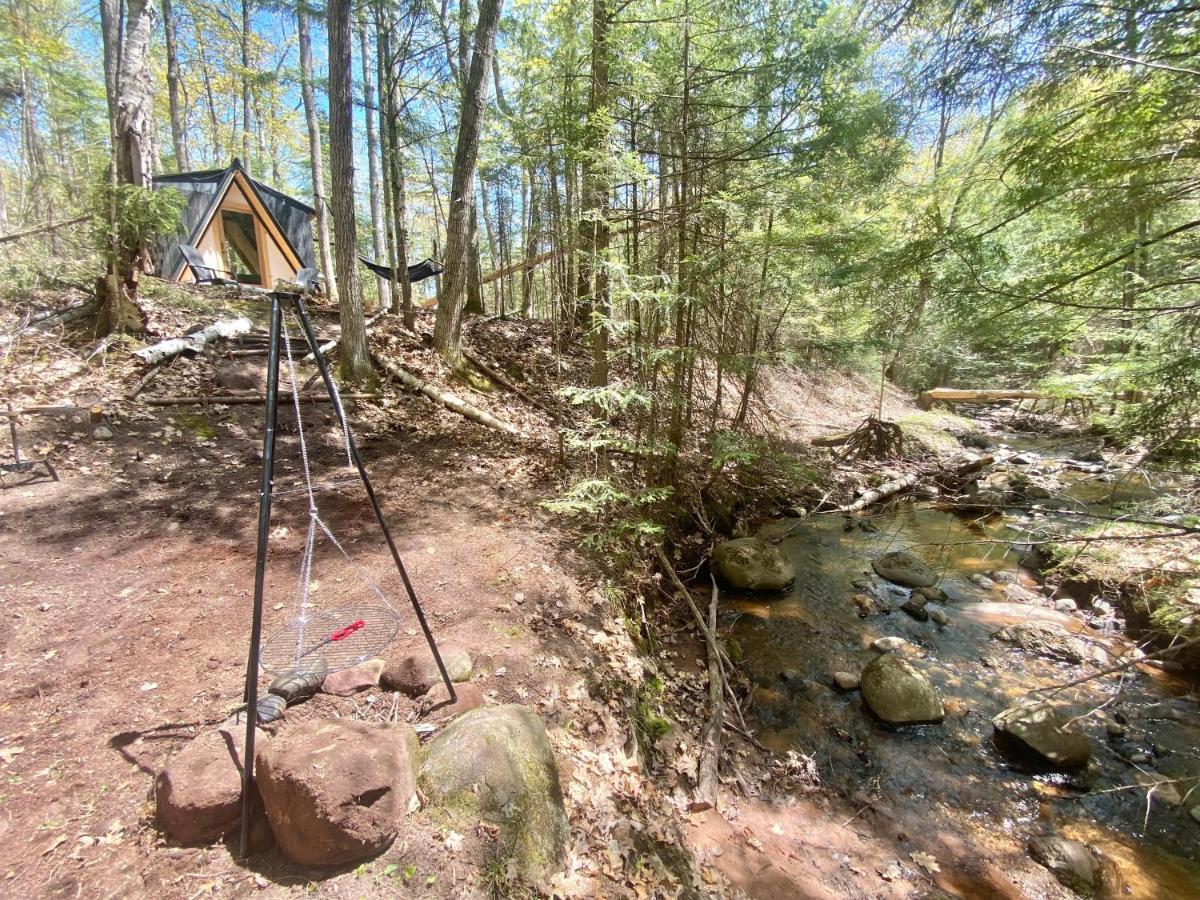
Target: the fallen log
pixel 723 660
pixel 926 399
pixel 49 318
pixel 508 383
pixel 193 342
pixel 445 398
pixel 41 229
pixel 235 399
pixel 833 440
pixel 885 490
pixel 707 771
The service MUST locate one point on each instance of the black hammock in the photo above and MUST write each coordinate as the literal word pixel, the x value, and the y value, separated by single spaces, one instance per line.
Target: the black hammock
pixel 426 268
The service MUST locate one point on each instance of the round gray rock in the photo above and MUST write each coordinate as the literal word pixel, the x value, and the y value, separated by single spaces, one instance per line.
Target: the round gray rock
pixel 906 568
pixel 496 764
pixel 898 694
pixel 1039 731
pixel 751 564
pixel 336 790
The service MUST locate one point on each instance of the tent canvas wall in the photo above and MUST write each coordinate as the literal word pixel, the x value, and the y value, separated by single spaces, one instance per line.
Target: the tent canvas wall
pixel 239 225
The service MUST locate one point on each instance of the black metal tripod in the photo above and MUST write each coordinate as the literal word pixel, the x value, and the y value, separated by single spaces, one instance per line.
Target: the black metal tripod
pixel 296 301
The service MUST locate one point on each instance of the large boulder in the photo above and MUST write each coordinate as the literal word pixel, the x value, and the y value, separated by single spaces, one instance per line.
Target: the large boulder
pixel 198 797
pixel 906 568
pixel 751 564
pixel 898 694
pixel 336 790
pixel 1044 639
pixel 416 671
pixel 1037 733
pixel 496 764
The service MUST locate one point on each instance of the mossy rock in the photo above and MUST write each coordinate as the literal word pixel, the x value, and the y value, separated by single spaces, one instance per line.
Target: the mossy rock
pixel 496 764
pixel 751 564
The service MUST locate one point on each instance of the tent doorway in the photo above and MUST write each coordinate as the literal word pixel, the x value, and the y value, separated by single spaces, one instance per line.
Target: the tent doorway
pixel 241 246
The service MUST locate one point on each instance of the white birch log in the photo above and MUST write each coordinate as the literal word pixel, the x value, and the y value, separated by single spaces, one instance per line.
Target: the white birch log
pixel 194 342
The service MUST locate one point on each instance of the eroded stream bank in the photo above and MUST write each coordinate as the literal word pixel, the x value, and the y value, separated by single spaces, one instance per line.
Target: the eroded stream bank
pixel 948 789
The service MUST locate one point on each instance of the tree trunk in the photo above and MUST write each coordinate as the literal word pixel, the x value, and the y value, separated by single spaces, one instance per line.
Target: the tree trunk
pixel 592 299
pixel 389 68
pixel 354 358
pixel 178 128
pixel 119 310
pixel 374 164
pixel 206 74
pixel 474 304
pixel 531 244
pixel 314 150
pixel 245 36
pixel 447 334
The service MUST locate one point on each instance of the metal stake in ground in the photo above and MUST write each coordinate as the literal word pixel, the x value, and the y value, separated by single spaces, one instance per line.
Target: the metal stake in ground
pixel 260 568
pixel 311 337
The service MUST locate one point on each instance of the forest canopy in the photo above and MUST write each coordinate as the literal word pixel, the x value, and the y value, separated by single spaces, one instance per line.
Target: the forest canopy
pixel 954 193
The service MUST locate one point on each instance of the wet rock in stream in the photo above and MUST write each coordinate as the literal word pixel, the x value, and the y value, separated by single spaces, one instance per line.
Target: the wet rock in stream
pixel 751 564
pixel 1045 639
pixel 898 694
pixel 915 607
pixel 845 681
pixel 1038 734
pixel 933 594
pixel 1078 866
pixel 906 568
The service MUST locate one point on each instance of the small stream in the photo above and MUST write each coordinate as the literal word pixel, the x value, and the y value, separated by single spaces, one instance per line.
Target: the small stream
pixel 951 776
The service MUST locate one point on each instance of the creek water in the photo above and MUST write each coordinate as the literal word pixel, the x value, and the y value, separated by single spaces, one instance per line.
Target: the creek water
pixel 949 779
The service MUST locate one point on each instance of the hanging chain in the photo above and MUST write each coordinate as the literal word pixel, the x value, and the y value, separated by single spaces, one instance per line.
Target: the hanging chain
pixel 314 518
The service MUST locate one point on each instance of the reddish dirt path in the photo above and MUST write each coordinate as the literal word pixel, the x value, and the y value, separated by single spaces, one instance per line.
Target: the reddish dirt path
pixel 125 615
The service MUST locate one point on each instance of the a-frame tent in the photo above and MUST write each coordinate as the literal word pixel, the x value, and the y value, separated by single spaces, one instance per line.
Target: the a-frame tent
pixel 240 226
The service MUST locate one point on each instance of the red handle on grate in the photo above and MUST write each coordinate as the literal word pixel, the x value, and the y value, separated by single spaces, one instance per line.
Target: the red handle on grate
pixel 343 633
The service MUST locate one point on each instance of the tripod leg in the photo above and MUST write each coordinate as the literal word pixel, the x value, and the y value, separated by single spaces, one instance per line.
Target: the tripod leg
pixel 323 367
pixel 260 570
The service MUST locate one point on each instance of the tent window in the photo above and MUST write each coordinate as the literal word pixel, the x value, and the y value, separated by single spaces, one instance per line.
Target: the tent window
pixel 241 246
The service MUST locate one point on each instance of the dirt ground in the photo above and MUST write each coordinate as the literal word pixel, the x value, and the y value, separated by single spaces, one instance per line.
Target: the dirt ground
pixel 125 589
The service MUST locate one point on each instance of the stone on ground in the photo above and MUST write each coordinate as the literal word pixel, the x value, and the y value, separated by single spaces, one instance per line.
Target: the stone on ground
pixel 241 375
pixel 336 790
pixel 415 672
pixel 751 564
pixel 1036 730
pixel 434 706
pixel 1078 866
pixel 357 678
pixel 915 607
pixel 1044 639
pixel 496 764
pixel 939 617
pixel 198 796
pixel 845 681
pixel 888 644
pixel 906 568
pixel 898 694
